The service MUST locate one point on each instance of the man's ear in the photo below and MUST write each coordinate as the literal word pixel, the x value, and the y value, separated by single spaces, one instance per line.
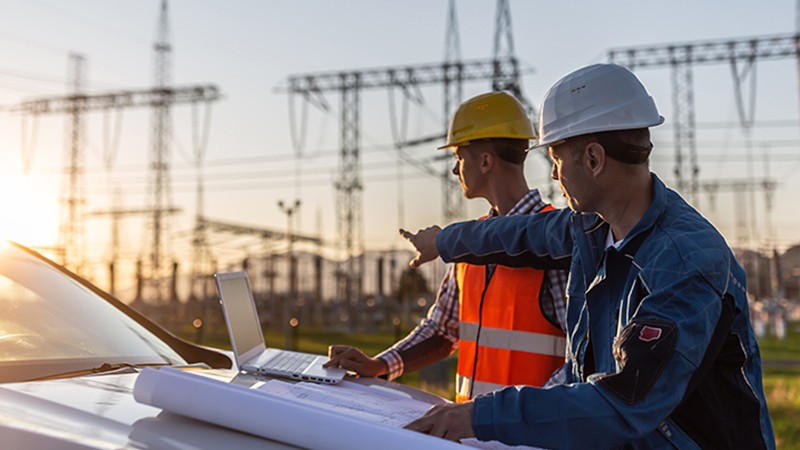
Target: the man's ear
pixel 486 161
pixel 595 159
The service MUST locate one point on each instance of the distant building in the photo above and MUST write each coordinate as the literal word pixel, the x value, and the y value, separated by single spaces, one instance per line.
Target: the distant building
pixel 790 273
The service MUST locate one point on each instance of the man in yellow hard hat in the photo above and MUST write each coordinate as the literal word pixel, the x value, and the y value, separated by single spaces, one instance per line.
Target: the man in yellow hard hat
pixel 506 323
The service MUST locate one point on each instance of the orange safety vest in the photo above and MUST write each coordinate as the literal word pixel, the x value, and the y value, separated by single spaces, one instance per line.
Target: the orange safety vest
pixel 502 327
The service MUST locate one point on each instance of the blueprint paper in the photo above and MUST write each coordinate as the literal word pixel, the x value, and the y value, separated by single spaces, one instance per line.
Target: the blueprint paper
pixel 351 399
pixel 262 414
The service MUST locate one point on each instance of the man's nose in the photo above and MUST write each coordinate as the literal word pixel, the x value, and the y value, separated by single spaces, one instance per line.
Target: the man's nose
pixel 455 169
pixel 554 173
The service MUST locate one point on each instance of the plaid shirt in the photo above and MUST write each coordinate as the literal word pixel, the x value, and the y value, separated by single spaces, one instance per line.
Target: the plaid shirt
pixel 442 318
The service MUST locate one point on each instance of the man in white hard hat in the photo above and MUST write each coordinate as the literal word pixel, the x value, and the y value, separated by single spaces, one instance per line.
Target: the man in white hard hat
pixel 489 136
pixel 660 349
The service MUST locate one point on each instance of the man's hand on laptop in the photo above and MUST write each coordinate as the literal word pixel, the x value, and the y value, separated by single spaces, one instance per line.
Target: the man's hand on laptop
pixel 424 241
pixel 353 359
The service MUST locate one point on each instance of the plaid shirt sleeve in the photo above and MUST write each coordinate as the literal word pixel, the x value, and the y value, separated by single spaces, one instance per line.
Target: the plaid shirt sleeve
pixel 442 319
pixel 557 280
pixel 558 377
pixel 554 298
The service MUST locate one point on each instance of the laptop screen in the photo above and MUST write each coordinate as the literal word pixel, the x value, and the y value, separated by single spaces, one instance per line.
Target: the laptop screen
pixel 245 329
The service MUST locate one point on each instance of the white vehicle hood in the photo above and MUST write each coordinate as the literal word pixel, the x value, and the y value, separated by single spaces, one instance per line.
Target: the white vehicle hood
pixel 99 412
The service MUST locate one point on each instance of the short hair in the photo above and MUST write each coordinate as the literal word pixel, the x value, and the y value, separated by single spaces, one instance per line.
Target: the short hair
pixel 627 146
pixel 513 151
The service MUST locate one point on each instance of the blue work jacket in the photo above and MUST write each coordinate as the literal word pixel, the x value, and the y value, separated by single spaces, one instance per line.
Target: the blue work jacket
pixel 660 350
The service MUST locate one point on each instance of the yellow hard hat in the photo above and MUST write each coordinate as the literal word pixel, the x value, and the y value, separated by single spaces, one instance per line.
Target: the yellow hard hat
pixel 490 115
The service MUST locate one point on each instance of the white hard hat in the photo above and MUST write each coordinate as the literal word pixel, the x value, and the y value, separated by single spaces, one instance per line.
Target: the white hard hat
pixel 596 98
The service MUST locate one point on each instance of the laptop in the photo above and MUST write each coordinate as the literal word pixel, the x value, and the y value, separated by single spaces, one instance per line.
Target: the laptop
pixel 247 338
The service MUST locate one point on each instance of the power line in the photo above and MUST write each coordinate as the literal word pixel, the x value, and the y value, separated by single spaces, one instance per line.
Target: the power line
pixel 225 185
pixel 17 74
pixel 773 123
pixel 30 42
pixel 111 30
pixel 271 159
pixel 14 73
pixel 681 57
pixel 266 174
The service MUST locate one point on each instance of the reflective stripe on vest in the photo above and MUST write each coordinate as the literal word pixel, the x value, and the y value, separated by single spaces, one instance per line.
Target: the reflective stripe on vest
pixel 533 347
pixel 521 341
pixel 517 344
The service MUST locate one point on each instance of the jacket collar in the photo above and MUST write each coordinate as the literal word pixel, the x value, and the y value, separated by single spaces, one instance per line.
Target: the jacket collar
pixel 651 216
pixel 645 224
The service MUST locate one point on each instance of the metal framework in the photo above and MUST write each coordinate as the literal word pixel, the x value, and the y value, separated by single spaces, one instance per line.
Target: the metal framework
pixel 70 248
pixel 116 214
pixel 312 85
pixel 119 99
pixel 452 84
pixel 743 210
pixel 160 137
pixel 502 70
pixel 263 233
pixel 349 84
pixel 506 79
pixel 76 105
pixel 160 98
pixel 681 58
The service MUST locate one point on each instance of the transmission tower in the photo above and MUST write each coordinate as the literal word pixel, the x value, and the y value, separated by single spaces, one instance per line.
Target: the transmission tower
pixel 742 210
pixel 203 264
pixel 681 58
pixel 202 259
pixel 70 245
pixel 116 214
pixel 504 49
pixel 502 71
pixel 160 98
pixel 161 136
pixel 452 197
pixel 79 104
pixel 744 230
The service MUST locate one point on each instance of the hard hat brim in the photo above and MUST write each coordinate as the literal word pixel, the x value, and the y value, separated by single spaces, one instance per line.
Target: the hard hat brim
pixel 561 137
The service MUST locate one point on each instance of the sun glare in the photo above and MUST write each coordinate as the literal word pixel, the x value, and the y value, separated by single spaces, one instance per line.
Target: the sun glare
pixel 27 214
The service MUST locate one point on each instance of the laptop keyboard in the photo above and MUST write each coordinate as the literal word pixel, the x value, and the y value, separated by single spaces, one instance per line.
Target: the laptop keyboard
pixel 291 362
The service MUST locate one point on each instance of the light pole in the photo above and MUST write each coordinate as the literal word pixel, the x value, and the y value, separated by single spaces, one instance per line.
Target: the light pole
pixel 292 273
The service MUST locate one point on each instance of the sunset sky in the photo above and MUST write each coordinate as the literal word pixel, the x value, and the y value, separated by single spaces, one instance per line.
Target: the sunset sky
pixel 248 47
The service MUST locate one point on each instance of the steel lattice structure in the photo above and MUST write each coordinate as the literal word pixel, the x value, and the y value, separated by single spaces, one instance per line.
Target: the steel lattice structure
pixel 160 99
pixel 504 72
pixel 119 99
pixel 681 57
pixel 77 105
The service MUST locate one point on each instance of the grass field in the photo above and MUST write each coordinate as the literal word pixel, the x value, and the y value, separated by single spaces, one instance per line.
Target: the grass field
pixel 781 371
pixel 782 386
